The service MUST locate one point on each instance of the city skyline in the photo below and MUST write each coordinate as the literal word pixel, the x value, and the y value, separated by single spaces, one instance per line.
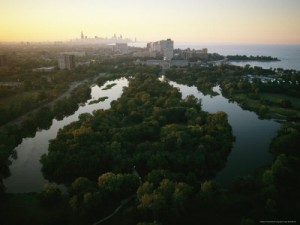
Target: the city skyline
pixel 232 21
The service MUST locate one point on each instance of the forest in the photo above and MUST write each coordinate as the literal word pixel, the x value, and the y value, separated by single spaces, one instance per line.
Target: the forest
pixel 271 93
pixel 154 156
pixel 137 140
pixel 149 135
pixel 36 102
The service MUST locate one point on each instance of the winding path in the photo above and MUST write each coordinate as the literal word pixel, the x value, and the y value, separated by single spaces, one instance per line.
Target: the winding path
pixel 124 202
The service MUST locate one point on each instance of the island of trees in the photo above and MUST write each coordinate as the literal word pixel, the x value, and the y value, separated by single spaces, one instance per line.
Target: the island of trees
pixel 251 58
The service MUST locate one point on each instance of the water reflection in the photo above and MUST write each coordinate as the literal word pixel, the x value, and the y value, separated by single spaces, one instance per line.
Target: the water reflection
pixel 26 173
pixel 253 136
pixel 250 150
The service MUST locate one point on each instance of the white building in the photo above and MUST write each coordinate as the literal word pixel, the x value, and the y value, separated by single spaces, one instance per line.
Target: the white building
pixel 66 61
pixel 165 47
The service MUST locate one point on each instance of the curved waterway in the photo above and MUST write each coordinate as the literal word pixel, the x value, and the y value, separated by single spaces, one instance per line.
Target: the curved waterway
pixel 250 151
pixel 253 135
pixel 26 173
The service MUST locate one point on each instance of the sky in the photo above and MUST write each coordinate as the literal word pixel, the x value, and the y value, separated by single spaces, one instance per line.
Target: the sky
pixel 212 21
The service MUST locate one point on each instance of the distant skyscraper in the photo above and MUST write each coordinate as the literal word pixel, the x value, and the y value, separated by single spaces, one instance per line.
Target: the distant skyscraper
pixel 82 36
pixel 66 61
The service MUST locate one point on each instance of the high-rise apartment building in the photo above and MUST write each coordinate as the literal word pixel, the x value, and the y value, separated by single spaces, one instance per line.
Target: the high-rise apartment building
pixel 165 47
pixel 66 61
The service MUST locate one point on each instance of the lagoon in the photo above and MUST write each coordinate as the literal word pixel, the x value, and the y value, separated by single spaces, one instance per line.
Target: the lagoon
pixel 249 153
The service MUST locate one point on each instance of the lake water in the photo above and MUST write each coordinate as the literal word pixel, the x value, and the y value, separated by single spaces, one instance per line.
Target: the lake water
pixel 250 150
pixel 289 55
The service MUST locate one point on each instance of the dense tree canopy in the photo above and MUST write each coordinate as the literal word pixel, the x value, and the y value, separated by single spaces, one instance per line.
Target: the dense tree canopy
pixel 149 127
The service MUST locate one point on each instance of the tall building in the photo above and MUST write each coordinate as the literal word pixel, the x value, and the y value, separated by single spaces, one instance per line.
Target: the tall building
pixel 165 47
pixel 66 61
pixel 82 36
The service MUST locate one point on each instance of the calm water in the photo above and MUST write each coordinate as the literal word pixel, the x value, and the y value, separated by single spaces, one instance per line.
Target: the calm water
pixel 26 175
pixel 253 136
pixel 250 150
pixel 289 55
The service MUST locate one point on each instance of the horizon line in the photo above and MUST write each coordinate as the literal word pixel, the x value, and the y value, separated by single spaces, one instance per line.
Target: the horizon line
pixel 147 41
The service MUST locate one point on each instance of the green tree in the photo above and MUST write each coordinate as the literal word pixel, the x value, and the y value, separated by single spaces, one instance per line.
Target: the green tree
pixel 50 195
pixel 119 185
pixel 82 185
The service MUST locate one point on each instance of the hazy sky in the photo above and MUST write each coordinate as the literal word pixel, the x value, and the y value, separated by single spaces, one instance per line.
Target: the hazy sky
pixel 250 21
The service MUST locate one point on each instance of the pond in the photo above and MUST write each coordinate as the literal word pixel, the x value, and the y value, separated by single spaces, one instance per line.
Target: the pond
pixel 250 151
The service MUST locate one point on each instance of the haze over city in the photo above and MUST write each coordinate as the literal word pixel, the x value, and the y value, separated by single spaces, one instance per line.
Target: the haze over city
pixel 232 21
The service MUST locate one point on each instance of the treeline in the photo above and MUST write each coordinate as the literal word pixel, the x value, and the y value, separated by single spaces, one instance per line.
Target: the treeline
pixel 281 181
pixel 158 153
pixel 204 78
pixel 275 97
pixel 11 136
pixel 251 58
pixel 254 85
pixel 33 90
pixel 167 144
pixel 162 198
pixel 268 92
pixel 149 127
pixel 206 58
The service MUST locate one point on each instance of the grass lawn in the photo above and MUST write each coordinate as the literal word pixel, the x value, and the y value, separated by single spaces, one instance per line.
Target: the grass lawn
pixel 276 98
pixel 273 111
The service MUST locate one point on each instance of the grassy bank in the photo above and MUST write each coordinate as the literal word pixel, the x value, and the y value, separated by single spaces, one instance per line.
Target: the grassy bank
pixel 269 105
